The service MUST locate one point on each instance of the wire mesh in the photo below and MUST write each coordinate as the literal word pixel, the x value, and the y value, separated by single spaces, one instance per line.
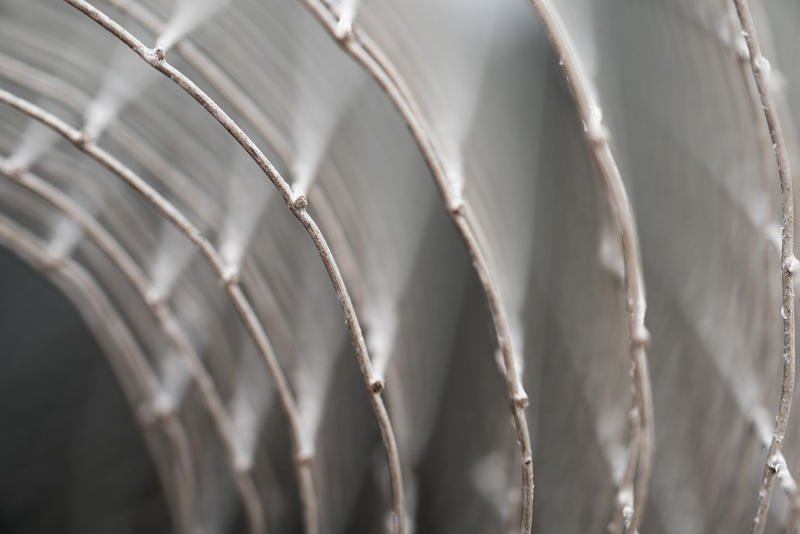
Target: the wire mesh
pixel 330 247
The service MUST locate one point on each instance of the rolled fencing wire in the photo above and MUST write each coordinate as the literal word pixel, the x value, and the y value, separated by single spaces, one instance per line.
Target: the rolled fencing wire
pixel 505 201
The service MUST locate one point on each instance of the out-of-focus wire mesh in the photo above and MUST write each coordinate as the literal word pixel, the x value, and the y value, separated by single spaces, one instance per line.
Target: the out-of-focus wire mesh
pixel 439 188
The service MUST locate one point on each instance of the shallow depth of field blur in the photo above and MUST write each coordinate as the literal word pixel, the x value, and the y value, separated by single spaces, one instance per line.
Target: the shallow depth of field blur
pixel 401 266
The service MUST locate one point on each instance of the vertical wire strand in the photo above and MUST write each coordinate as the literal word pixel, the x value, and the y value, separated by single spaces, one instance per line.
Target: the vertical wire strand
pixel 759 66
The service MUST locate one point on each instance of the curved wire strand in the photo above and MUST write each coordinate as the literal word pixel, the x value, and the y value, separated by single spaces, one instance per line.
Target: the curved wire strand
pixel 230 281
pixel 358 45
pixel 760 69
pixel 242 473
pixel 297 205
pixel 125 356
